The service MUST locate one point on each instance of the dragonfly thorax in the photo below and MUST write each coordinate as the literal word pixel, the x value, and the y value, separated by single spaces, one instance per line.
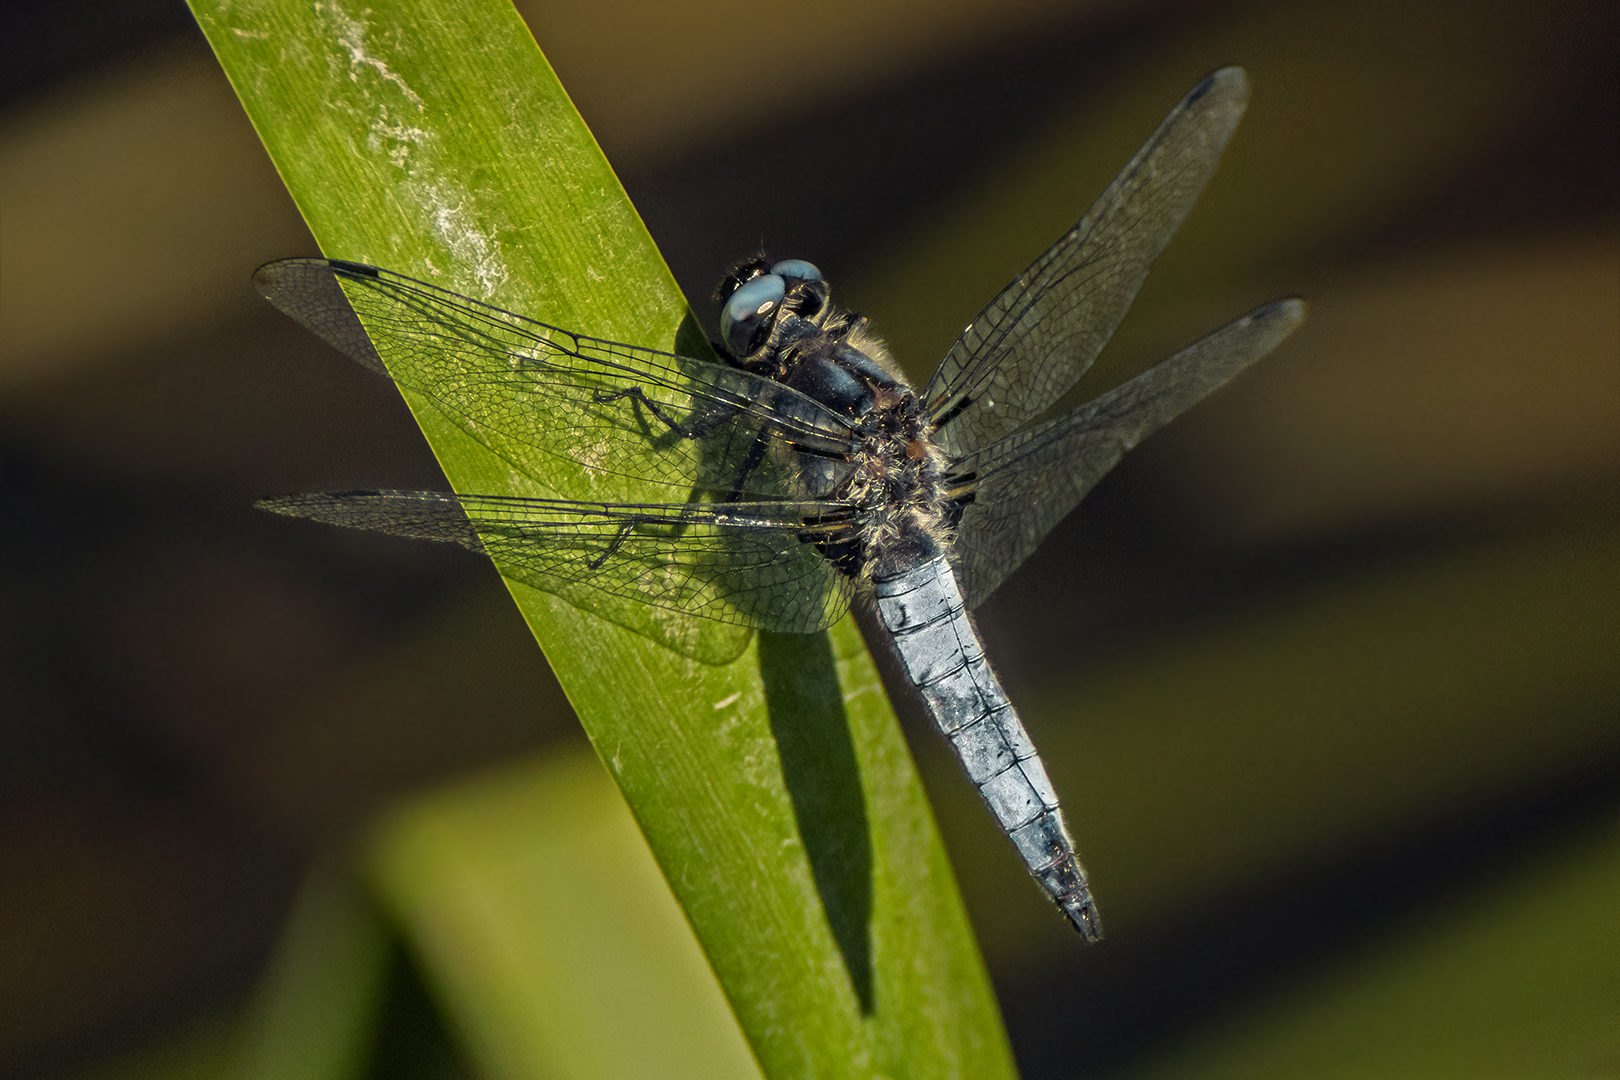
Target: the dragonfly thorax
pixel 899 480
pixel 896 475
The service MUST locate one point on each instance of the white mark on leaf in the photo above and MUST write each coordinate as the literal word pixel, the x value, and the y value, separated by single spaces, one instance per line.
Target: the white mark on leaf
pixel 861 691
pixel 351 35
pixel 401 137
pixel 458 229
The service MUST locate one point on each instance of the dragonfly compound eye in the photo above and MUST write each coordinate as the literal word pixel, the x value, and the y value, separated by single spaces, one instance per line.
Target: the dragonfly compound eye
pixel 746 317
pixel 797 268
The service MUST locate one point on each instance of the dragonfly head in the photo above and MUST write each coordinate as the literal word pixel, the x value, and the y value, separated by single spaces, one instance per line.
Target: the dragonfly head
pixel 763 302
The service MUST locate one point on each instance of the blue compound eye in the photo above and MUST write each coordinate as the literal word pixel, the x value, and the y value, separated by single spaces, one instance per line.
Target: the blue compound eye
pixel 797 268
pixel 747 314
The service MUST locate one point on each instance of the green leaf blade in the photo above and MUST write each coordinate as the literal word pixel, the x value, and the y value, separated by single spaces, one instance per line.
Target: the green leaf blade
pixel 775 791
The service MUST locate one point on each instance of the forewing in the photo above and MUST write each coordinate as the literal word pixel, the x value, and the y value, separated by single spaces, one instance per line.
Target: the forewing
pixel 740 563
pixel 1035 340
pixel 1025 484
pixel 603 412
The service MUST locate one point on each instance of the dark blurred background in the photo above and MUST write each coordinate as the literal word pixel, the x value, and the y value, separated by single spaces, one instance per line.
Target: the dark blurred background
pixel 1324 664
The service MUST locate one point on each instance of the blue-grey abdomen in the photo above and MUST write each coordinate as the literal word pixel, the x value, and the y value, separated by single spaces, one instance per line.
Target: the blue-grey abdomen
pixel 922 609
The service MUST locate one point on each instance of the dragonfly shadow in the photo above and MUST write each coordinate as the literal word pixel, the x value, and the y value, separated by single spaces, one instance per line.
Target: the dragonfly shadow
pixel 823 779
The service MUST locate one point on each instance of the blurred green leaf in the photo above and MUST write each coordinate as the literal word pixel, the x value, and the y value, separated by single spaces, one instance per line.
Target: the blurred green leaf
pixel 317 1009
pixel 1520 981
pixel 1346 712
pixel 561 946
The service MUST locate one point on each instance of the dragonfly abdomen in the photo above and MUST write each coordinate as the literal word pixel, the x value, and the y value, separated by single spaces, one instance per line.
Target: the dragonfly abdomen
pixel 922 609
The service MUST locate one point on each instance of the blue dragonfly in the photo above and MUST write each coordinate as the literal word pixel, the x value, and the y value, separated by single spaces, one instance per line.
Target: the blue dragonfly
pixel 804 470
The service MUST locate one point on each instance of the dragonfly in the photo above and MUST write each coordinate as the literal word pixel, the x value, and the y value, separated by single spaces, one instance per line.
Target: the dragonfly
pixel 802 469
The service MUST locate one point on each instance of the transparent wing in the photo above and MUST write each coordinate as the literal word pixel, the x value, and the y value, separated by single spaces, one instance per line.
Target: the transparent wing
pixel 1034 341
pixel 1023 485
pixel 752 564
pixel 602 411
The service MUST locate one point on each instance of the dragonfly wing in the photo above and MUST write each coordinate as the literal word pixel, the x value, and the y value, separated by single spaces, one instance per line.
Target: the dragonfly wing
pixel 611 417
pixel 1034 341
pixel 1023 485
pixel 747 564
